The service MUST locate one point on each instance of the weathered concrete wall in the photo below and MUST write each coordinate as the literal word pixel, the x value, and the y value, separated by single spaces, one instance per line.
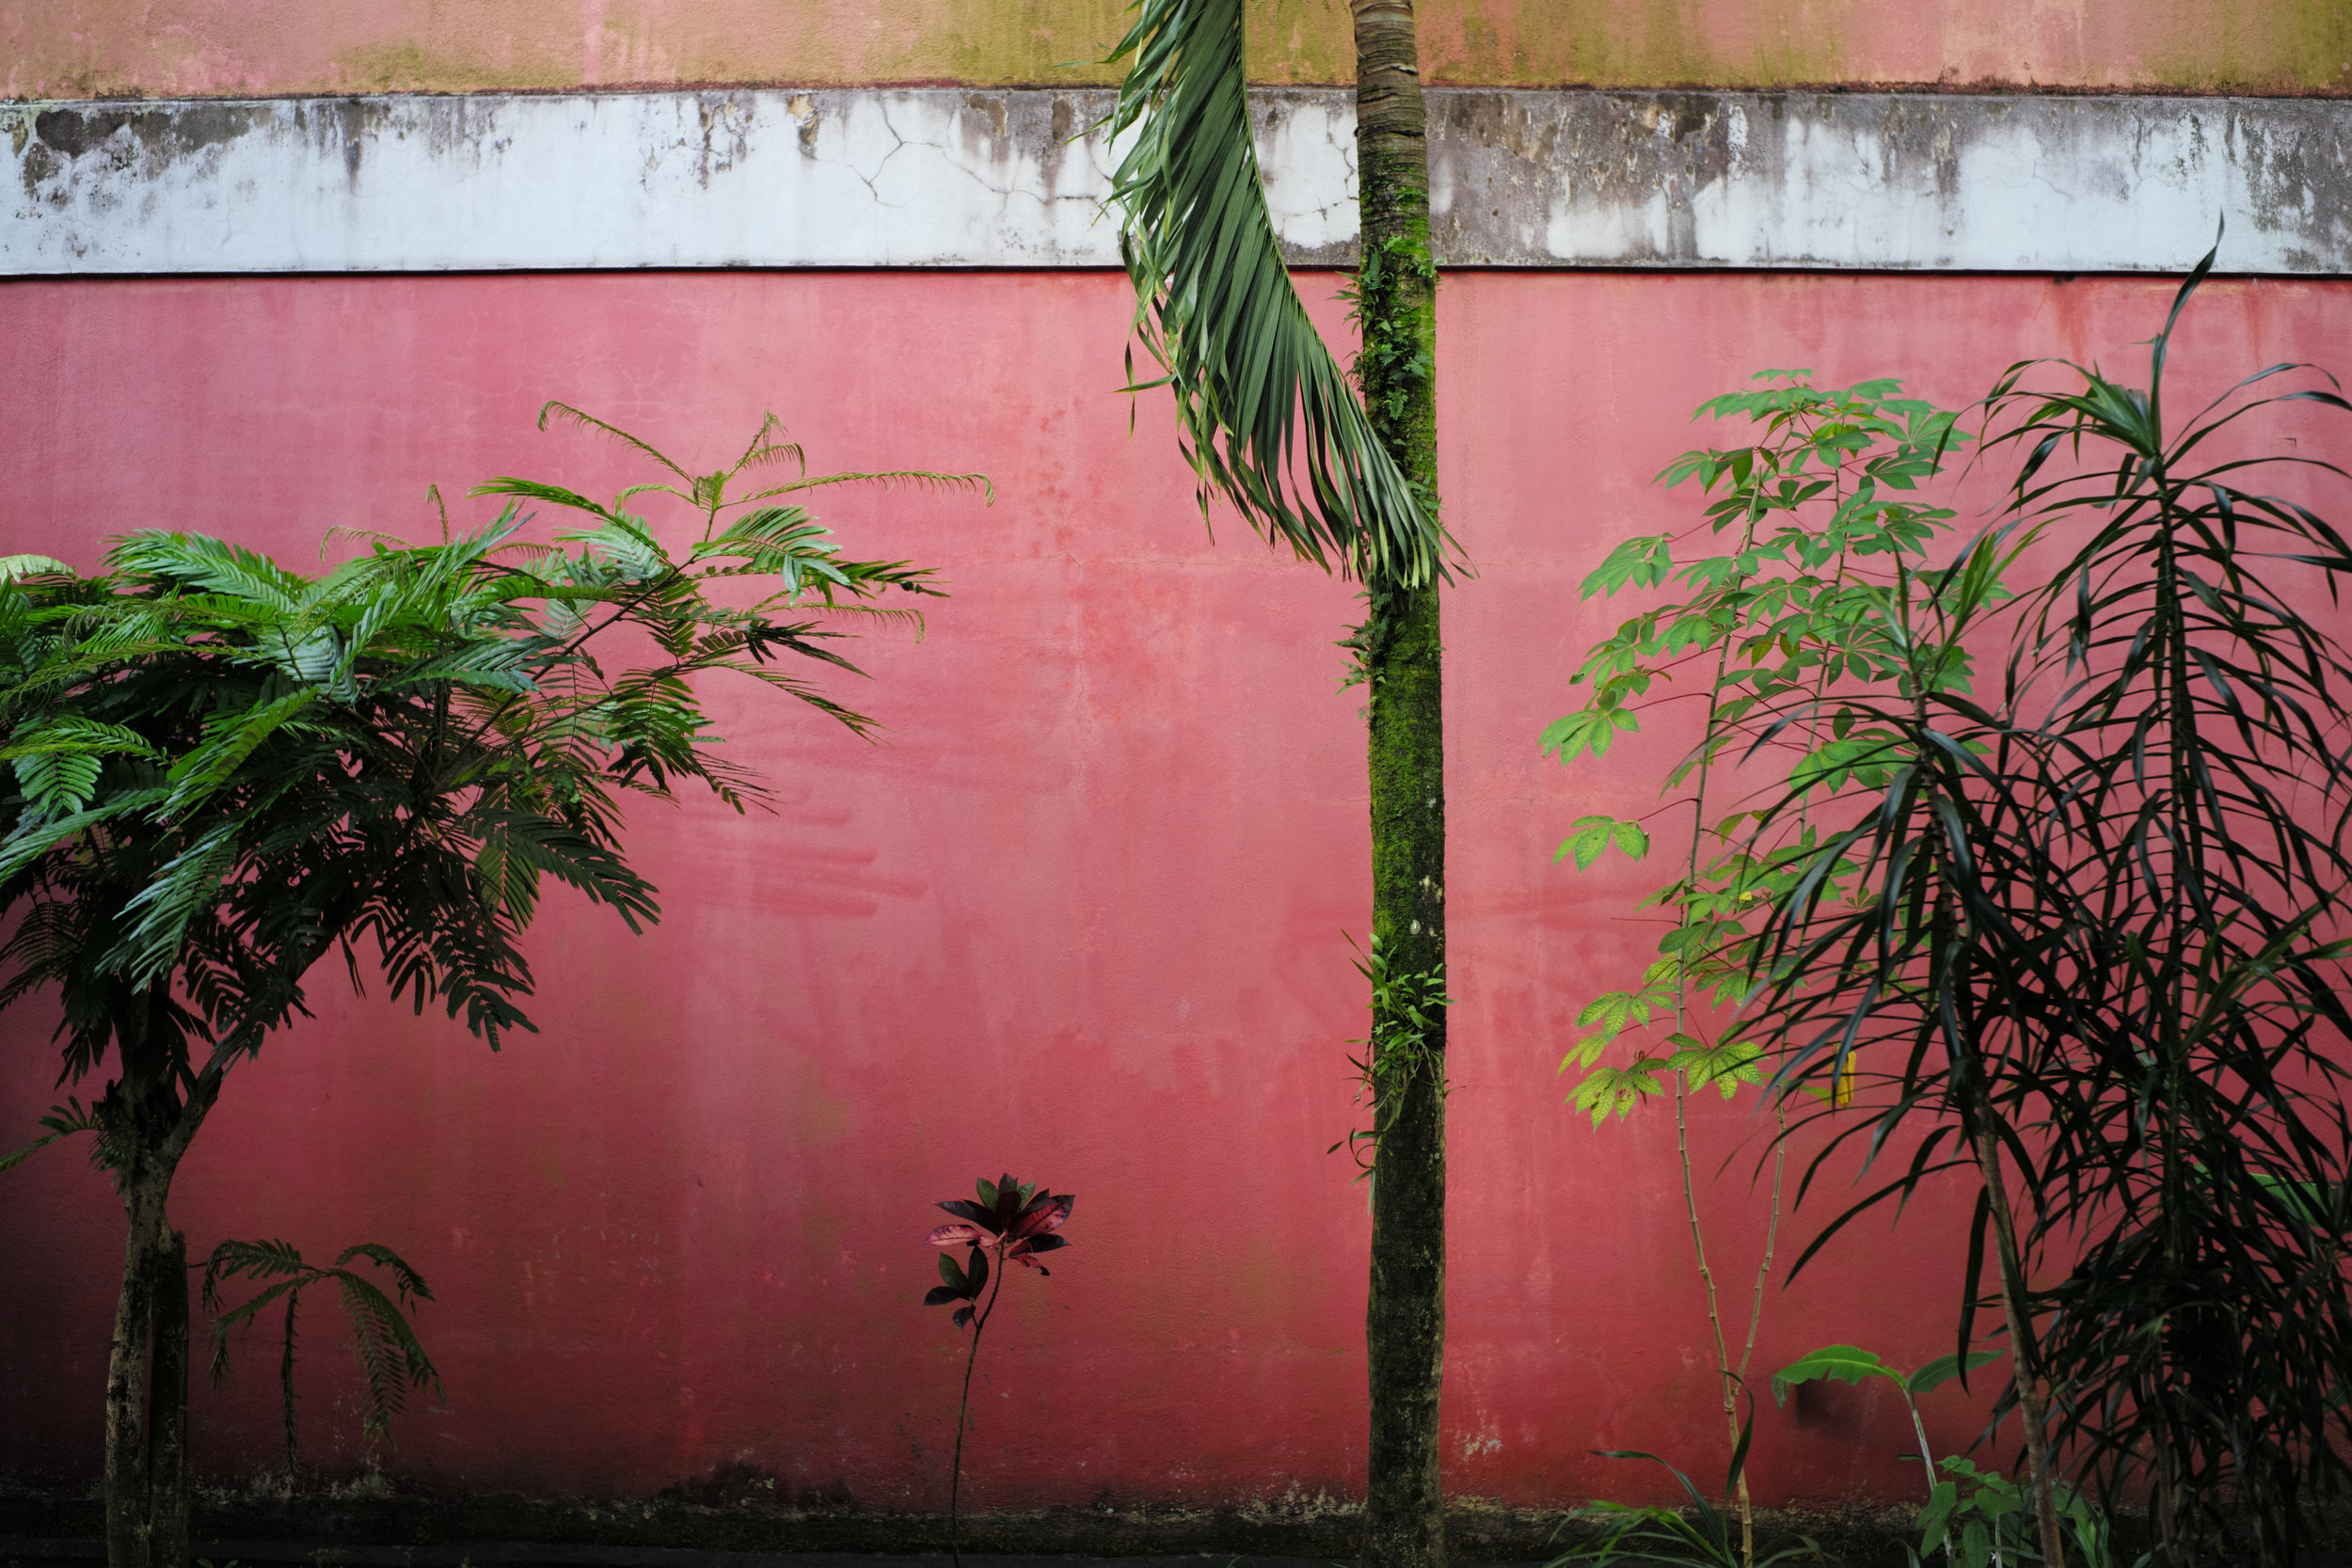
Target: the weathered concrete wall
pixel 106 48
pixel 1081 915
pixel 960 177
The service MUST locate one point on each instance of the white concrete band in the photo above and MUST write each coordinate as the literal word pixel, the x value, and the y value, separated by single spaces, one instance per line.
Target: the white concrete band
pixel 949 178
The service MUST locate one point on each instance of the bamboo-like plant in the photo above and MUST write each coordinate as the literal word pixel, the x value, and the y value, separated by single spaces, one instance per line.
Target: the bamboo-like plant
pixel 221 771
pixel 2085 932
pixel 393 1359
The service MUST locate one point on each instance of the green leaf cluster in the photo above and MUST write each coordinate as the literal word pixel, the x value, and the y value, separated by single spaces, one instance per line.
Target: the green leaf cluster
pixel 1407 1013
pixel 1982 1519
pixel 1785 625
pixel 220 770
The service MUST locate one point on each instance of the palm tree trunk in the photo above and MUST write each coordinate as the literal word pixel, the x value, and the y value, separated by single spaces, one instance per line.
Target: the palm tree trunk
pixel 150 1126
pixel 147 1386
pixel 126 1381
pixel 167 1407
pixel 1405 1326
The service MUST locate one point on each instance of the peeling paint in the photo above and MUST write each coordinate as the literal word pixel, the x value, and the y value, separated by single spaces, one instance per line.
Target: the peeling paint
pixel 945 176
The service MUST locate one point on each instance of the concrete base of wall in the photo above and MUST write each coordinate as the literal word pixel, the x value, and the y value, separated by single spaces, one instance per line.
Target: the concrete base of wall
pixel 737 1523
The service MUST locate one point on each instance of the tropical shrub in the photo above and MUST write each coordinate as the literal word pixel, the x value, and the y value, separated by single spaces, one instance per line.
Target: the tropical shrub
pixel 1782 578
pixel 1853 1363
pixel 2082 931
pixel 222 772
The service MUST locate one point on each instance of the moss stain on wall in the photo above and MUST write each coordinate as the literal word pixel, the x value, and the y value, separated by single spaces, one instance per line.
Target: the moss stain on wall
pixel 174 48
pixel 2269 46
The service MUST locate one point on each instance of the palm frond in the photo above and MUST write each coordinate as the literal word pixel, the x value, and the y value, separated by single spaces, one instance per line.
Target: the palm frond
pixel 244 1313
pixel 215 566
pixel 219 770
pixel 406 1280
pixel 1270 420
pixel 888 478
pixel 391 1359
pixel 62 1121
pixel 507 485
pixel 589 421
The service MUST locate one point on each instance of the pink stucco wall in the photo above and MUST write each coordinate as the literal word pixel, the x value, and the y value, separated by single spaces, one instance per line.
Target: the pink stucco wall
pixel 1081 915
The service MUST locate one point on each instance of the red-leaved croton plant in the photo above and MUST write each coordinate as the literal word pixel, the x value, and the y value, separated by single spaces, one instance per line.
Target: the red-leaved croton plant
pixel 1013 1223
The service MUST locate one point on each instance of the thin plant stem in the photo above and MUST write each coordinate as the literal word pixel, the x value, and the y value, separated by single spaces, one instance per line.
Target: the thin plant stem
pixel 286 1385
pixel 2029 1402
pixel 1732 1378
pixel 1682 1086
pixel 955 1470
pixel 1771 1234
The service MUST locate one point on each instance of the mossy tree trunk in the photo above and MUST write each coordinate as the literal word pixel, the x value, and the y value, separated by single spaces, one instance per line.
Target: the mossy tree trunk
pixel 146 1120
pixel 1405 1327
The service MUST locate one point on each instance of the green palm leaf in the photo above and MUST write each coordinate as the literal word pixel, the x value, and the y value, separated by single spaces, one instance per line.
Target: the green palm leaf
pixel 1269 418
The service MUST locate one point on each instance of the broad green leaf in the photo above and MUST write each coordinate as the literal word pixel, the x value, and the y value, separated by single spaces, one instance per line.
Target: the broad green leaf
pixel 1725 1065
pixel 1945 1367
pixel 1588 836
pixel 1643 563
pixel 1843 1363
pixel 1614 1091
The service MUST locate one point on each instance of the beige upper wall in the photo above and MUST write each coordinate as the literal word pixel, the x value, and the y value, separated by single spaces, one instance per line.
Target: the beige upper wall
pixel 181 48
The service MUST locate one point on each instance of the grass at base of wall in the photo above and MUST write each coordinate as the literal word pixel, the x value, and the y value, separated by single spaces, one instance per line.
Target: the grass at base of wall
pixel 737 1512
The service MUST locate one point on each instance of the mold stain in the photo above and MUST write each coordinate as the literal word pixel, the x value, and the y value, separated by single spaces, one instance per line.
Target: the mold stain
pixel 2263 47
pixel 2259 46
pixel 168 134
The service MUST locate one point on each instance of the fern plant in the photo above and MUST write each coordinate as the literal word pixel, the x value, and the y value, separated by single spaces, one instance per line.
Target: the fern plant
pixel 221 770
pixel 391 1359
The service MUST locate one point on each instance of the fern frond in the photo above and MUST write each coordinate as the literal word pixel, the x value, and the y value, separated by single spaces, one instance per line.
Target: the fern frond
pixel 392 1359
pixel 589 421
pixel 62 1121
pixel 888 478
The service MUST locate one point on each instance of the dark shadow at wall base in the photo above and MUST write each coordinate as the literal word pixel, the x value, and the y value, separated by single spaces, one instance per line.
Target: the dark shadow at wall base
pixel 336 1528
